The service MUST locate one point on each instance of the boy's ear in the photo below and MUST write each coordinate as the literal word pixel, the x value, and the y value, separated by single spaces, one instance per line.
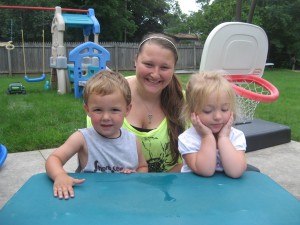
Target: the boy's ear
pixel 86 108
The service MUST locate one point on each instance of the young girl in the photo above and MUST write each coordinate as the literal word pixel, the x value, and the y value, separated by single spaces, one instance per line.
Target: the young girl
pixel 105 147
pixel 211 144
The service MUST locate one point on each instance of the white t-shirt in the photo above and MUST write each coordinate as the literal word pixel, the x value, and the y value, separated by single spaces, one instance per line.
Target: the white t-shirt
pixel 190 142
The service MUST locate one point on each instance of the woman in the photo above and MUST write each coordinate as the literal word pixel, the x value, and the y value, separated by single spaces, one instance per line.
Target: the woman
pixel 157 100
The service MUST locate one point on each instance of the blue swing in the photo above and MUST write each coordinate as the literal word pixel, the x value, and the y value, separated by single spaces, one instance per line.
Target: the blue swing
pixel 3 154
pixel 43 76
pixel 37 79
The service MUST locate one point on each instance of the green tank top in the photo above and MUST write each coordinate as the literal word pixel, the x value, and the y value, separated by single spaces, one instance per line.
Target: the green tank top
pixel 155 146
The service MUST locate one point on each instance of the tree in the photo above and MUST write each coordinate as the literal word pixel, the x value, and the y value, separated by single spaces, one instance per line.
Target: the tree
pixel 278 18
pixel 176 20
pixel 149 16
pixel 31 22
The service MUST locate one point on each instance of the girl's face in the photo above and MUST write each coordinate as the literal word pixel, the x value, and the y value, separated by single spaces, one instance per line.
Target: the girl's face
pixel 216 112
pixel 154 67
pixel 107 113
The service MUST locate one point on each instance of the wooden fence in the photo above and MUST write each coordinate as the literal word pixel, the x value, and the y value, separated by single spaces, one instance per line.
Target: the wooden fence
pixel 121 58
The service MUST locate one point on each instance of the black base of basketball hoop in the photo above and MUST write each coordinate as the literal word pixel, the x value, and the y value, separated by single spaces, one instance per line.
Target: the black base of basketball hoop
pixel 262 134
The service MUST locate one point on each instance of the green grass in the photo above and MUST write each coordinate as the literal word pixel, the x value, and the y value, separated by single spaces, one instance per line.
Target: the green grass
pixel 43 119
pixel 286 109
pixel 38 120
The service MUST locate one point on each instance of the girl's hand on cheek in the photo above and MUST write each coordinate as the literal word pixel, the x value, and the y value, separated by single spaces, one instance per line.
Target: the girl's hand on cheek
pixel 201 129
pixel 225 131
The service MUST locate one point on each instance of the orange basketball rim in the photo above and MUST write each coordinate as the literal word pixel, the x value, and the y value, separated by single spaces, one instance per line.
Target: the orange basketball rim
pixel 253 87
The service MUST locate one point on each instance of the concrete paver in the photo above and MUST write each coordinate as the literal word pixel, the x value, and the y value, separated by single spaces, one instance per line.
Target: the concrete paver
pixel 281 163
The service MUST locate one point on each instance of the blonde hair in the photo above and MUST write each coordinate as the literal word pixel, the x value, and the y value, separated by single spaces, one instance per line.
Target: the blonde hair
pixel 200 86
pixel 106 82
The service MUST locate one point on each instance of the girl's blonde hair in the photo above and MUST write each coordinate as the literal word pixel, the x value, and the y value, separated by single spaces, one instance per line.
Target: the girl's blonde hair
pixel 200 86
pixel 106 82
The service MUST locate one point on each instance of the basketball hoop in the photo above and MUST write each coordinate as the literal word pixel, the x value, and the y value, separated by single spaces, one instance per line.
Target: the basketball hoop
pixel 250 90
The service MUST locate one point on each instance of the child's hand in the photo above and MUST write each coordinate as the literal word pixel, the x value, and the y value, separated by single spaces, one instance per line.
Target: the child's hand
pixel 201 129
pixel 128 171
pixel 225 131
pixel 63 186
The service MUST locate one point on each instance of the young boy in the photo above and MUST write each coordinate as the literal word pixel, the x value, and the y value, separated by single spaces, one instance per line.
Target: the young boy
pixel 105 147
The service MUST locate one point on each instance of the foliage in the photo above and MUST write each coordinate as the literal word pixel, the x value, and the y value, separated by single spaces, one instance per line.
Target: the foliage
pixel 31 22
pixel 120 20
pixel 130 20
pixel 278 18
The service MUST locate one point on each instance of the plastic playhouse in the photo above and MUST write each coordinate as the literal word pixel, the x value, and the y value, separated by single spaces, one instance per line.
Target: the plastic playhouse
pixel 84 60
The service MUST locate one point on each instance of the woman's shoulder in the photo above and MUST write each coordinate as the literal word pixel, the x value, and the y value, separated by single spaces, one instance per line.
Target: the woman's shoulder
pixel 130 78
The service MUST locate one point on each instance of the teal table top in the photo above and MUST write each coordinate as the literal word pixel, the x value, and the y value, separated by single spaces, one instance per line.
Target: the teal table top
pixel 155 198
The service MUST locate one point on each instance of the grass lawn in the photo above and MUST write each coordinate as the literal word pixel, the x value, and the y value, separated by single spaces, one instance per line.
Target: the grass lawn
pixel 43 119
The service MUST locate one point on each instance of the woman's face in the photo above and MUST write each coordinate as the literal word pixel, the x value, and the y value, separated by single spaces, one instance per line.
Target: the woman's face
pixel 155 67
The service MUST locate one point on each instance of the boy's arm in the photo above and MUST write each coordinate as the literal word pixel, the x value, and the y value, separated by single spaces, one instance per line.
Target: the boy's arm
pixel 63 183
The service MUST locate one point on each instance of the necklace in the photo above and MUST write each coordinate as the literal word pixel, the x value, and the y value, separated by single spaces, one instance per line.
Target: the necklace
pixel 149 114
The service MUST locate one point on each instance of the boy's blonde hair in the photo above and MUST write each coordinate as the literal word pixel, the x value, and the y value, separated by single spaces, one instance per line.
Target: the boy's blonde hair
pixel 200 86
pixel 106 82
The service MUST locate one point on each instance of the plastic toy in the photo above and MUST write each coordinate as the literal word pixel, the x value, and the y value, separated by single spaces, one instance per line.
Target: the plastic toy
pixel 3 154
pixel 16 88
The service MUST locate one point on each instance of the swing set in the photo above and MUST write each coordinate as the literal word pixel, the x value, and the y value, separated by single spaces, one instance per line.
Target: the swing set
pixel 85 65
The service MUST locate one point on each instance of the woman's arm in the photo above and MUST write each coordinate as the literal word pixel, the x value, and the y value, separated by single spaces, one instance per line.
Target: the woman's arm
pixel 143 166
pixel 176 168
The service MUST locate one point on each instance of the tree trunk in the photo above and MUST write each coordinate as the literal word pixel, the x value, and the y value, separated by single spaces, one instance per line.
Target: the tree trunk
pixel 238 12
pixel 251 12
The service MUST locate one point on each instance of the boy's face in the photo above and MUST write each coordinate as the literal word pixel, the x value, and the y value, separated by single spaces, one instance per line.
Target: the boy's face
pixel 107 113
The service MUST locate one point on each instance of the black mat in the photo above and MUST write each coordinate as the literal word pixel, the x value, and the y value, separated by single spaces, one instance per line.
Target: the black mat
pixel 263 134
